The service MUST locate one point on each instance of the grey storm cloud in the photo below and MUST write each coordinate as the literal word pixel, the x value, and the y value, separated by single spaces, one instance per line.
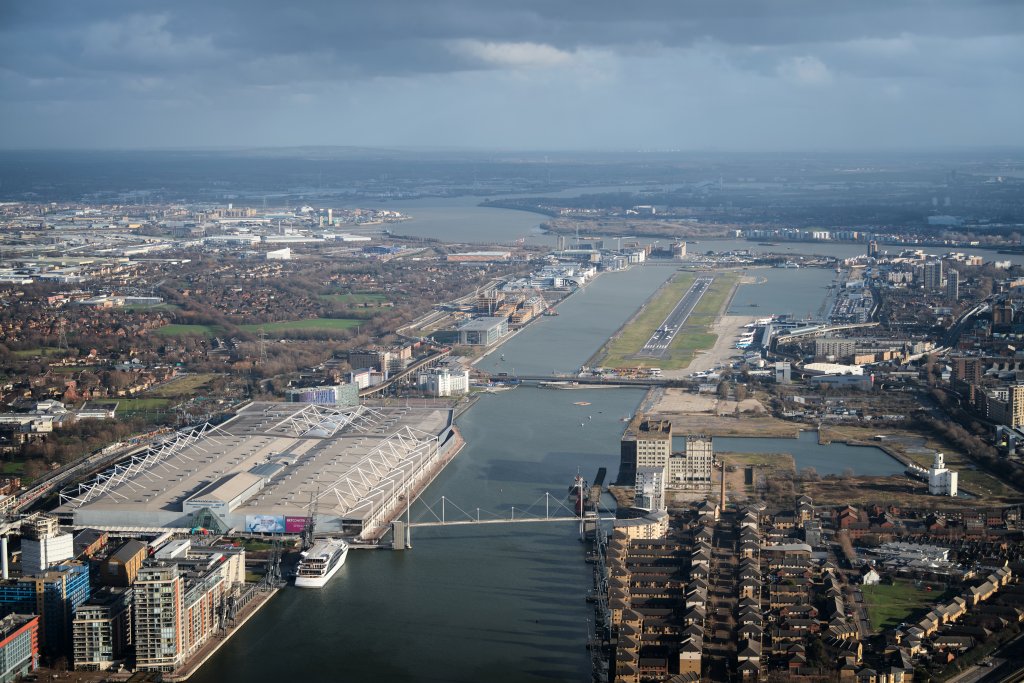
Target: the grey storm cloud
pixel 481 72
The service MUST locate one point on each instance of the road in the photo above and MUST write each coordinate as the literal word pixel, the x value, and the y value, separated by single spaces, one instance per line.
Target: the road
pixel 1007 663
pixel 657 346
pixel 974 674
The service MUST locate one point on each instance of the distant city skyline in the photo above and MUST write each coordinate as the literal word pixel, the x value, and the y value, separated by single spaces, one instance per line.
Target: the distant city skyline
pixel 526 75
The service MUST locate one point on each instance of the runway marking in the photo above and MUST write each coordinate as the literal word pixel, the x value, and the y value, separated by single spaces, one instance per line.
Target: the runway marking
pixel 670 326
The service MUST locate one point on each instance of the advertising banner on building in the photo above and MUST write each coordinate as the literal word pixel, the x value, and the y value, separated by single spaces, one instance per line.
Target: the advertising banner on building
pixel 265 524
pixel 294 525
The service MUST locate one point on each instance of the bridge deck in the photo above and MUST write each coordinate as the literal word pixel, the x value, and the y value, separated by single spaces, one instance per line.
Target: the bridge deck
pixel 523 520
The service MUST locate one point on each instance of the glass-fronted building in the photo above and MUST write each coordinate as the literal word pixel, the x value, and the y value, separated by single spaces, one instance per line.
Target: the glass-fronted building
pixel 53 595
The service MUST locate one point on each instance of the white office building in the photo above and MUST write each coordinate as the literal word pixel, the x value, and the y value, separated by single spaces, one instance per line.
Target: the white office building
pixel 444 381
pixel 42 544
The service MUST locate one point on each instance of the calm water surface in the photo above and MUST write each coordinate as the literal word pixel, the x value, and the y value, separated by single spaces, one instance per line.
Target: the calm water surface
pixel 491 603
pixel 831 458
pixel 461 219
pixel 802 292
pixel 585 320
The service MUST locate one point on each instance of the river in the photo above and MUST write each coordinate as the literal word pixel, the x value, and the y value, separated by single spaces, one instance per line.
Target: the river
pixel 462 219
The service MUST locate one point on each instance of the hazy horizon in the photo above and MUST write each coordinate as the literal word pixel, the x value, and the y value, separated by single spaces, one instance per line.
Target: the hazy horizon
pixel 355 150
pixel 527 76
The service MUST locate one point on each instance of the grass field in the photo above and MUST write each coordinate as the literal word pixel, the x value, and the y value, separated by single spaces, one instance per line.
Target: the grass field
pixel 185 330
pixel 32 353
pixel 691 338
pixel 637 331
pixel 180 386
pixel 309 325
pixel 141 405
pixel 12 468
pixel 255 546
pixel 355 298
pixel 157 307
pixel 890 606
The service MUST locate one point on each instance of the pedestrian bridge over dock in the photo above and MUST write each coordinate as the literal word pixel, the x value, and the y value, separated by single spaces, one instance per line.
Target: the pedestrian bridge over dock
pixel 511 520
pixel 547 508
pixel 561 381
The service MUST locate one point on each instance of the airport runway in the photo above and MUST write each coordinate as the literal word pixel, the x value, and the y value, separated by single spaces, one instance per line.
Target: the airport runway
pixel 657 346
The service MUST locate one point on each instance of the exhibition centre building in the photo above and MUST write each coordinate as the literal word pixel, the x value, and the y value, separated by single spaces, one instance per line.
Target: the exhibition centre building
pixel 270 468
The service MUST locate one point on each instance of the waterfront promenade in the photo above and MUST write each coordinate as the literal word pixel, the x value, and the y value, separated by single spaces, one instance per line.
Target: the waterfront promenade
pixel 210 647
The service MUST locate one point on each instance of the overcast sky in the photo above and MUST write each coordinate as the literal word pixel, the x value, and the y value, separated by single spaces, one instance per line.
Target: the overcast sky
pixel 513 74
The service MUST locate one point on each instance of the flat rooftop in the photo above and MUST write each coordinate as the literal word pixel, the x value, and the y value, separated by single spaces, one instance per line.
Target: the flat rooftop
pixel 643 427
pixel 349 459
pixel 483 324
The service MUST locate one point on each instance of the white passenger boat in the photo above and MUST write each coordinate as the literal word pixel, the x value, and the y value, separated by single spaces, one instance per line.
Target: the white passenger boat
pixel 321 562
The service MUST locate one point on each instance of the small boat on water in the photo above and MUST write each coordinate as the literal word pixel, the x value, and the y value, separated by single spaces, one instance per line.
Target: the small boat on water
pixel 321 562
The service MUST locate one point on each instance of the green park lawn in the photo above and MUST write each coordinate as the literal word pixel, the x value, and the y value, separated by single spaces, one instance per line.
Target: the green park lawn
pixel 141 405
pixel 175 330
pixel 890 606
pixel 186 385
pixel 308 325
pixel 12 468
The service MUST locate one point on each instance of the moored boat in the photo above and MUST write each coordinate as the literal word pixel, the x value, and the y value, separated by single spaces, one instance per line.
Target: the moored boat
pixel 321 562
